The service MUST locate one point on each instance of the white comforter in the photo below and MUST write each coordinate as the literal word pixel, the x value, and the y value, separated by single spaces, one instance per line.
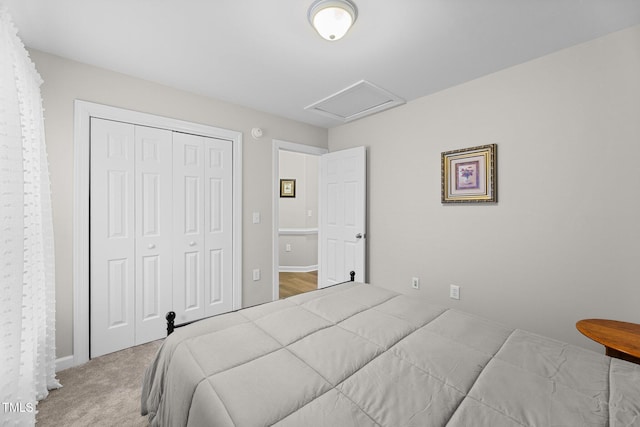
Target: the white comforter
pixel 361 355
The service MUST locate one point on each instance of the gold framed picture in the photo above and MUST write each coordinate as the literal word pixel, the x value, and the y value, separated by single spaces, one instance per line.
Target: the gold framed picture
pixel 287 188
pixel 469 175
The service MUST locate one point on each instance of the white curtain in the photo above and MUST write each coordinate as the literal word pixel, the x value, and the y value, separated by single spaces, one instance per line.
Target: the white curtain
pixel 27 282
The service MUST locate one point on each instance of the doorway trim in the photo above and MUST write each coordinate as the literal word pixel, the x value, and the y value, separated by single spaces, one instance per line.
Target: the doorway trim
pixel 277 146
pixel 83 111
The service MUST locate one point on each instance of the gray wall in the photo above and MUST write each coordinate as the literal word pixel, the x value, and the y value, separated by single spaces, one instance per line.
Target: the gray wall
pixel 66 80
pixel 563 242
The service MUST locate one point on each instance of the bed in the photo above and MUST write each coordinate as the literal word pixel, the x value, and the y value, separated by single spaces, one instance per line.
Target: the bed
pixel 361 355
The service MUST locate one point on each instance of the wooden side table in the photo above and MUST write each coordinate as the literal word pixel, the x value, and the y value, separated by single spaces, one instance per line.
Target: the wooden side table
pixel 620 339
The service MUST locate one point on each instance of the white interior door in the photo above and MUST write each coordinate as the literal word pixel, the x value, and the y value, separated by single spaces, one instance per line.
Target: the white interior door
pixel 218 225
pixel 203 238
pixel 188 220
pixel 112 237
pixel 342 217
pixel 106 204
pixel 161 231
pixel 153 224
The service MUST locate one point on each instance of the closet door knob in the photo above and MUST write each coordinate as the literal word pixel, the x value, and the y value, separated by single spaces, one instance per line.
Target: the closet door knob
pixel 192 243
pixel 151 246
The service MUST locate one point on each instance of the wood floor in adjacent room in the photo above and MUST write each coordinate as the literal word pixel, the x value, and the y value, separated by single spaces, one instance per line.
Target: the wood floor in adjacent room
pixel 297 283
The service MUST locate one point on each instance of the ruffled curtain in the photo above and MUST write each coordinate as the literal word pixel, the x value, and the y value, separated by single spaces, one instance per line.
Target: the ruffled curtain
pixel 27 282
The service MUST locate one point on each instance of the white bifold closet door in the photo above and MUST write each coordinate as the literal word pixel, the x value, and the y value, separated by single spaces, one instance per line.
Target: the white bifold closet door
pixel 202 219
pixel 112 245
pixel 153 230
pixel 161 232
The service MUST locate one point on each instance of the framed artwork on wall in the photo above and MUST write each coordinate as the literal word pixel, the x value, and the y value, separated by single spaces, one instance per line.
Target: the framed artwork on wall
pixel 469 175
pixel 287 188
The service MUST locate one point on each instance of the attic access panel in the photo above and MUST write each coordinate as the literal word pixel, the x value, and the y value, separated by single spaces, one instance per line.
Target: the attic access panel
pixel 356 101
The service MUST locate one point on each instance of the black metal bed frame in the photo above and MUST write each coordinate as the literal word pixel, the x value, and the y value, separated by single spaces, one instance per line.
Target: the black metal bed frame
pixel 171 316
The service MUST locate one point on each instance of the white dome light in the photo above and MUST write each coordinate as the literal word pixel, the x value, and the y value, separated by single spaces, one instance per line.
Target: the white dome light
pixel 332 18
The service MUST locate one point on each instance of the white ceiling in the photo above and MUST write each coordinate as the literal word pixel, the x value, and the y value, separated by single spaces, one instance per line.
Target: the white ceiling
pixel 264 54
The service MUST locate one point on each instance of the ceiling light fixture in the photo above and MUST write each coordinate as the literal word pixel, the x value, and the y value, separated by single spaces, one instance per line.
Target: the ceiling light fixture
pixel 332 18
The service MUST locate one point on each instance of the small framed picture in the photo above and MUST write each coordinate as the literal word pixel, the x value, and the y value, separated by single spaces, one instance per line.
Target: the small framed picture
pixel 470 175
pixel 287 188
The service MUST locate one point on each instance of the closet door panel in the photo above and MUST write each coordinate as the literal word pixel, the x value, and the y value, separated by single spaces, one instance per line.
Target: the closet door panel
pixel 112 229
pixel 218 174
pixel 153 198
pixel 188 227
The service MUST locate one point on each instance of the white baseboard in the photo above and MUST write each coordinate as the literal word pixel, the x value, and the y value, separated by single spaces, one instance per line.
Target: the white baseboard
pixel 63 363
pixel 297 269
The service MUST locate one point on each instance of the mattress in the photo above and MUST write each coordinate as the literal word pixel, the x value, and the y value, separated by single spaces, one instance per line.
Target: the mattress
pixel 362 355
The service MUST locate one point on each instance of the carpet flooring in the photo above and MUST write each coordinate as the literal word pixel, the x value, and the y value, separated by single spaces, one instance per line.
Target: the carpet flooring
pixel 103 392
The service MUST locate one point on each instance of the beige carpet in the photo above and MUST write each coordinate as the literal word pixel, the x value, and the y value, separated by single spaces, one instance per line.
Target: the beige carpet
pixel 103 392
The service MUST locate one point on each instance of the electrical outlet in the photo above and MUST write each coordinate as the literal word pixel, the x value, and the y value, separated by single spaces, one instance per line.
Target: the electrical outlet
pixel 287 247
pixel 256 274
pixel 415 283
pixel 454 292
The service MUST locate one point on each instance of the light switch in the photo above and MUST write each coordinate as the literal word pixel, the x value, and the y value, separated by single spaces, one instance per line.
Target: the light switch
pixel 454 292
pixel 256 217
pixel 256 274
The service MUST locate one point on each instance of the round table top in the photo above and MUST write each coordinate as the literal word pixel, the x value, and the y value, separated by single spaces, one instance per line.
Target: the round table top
pixel 621 336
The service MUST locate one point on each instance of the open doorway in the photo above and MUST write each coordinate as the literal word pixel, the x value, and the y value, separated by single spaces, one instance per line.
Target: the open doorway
pixel 298 223
pixel 296 207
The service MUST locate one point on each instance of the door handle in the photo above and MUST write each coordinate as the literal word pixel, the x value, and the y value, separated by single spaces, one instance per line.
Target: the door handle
pixel 359 236
pixel 151 246
pixel 192 243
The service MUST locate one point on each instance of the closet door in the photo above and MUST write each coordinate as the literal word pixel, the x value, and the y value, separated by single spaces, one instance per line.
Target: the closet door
pixel 203 261
pixel 218 224
pixel 161 231
pixel 131 231
pixel 112 237
pixel 188 227
pixel 153 223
